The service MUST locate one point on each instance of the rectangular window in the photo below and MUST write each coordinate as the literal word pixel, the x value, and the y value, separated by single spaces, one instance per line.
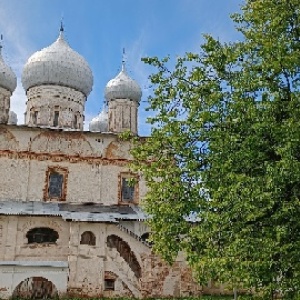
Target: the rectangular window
pixel 128 188
pixel 56 184
pixel 55 120
pixel 34 117
pixel 75 122
pixel 109 284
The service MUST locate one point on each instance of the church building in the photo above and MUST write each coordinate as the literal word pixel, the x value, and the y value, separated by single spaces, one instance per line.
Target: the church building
pixel 70 222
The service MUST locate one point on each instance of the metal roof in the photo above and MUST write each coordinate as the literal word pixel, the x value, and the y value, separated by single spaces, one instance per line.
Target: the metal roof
pixel 8 79
pixel 83 212
pixel 60 65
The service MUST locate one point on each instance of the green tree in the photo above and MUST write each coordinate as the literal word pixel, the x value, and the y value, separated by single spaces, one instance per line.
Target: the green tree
pixel 223 160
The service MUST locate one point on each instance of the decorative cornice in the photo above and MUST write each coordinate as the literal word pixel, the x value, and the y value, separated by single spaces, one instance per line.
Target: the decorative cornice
pixel 29 155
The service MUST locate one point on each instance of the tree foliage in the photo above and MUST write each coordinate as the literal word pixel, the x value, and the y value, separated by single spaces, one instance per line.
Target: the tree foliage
pixel 224 177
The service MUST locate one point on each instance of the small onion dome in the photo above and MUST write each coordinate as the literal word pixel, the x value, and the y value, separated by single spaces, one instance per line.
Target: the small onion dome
pixel 60 65
pixel 99 123
pixel 123 87
pixel 8 79
pixel 13 118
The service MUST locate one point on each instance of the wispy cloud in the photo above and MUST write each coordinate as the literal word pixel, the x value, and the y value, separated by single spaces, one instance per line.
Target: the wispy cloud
pixel 140 72
pixel 16 50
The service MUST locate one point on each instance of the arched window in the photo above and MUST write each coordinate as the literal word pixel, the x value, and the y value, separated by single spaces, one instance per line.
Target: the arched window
pixel 145 236
pixel 88 238
pixel 42 235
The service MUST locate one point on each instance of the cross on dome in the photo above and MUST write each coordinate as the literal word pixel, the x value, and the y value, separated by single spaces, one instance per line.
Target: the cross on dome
pixel 123 60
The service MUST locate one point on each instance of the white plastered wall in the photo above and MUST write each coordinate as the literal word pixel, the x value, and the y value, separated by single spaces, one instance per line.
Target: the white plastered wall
pixel 93 161
pixel 13 273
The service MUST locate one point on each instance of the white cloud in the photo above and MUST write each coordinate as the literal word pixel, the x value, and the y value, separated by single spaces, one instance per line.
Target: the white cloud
pixel 17 49
pixel 18 103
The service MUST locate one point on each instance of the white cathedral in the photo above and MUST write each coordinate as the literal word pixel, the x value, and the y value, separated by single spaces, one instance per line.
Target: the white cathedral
pixel 70 224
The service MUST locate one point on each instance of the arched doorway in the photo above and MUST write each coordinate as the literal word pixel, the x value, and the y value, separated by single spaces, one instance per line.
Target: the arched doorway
pixel 35 288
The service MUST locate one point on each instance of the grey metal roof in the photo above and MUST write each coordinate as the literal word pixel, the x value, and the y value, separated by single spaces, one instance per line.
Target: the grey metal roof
pixel 123 87
pixel 34 263
pixel 99 123
pixel 58 64
pixel 8 79
pixel 83 212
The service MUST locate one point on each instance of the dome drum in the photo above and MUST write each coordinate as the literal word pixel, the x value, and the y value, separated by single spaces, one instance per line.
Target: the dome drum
pixel 4 105
pixel 123 115
pixel 54 106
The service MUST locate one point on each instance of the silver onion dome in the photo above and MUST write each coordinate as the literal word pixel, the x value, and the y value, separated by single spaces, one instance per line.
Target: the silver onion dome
pixel 8 79
pixel 123 87
pixel 13 118
pixel 58 64
pixel 99 123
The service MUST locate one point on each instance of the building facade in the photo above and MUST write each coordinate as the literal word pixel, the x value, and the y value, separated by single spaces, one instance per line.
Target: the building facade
pixel 70 222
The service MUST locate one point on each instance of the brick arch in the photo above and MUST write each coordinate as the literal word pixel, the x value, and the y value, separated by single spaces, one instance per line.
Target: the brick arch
pixel 7 140
pixel 37 223
pixel 114 241
pixel 35 288
pixel 69 143
pixel 117 150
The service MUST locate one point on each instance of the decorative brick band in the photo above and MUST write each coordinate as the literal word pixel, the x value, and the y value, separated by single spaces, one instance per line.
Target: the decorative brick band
pixel 13 154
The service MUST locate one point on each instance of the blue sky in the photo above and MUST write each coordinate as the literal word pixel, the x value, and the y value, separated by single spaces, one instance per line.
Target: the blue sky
pixel 100 29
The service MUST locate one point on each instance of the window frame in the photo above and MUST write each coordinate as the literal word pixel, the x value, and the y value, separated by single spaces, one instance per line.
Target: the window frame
pixel 108 282
pixel 64 173
pixel 124 176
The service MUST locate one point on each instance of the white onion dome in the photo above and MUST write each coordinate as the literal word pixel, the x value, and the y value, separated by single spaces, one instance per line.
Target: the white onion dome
pixel 123 87
pixel 60 65
pixel 13 118
pixel 8 79
pixel 99 123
